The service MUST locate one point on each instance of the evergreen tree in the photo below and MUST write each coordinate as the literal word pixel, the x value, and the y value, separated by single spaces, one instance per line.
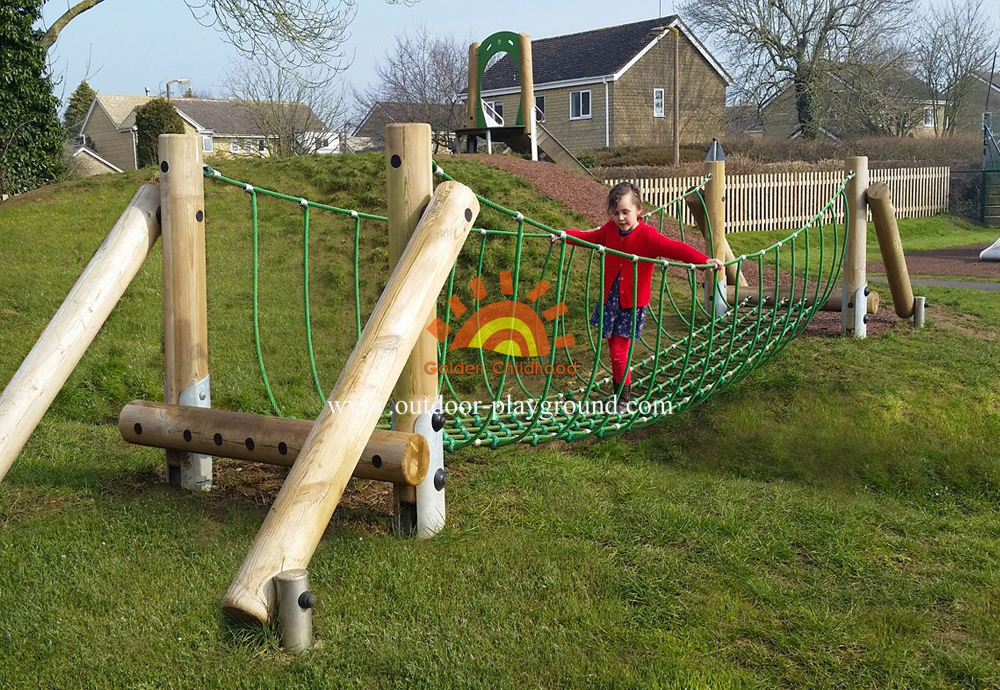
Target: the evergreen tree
pixel 151 120
pixel 79 106
pixel 31 137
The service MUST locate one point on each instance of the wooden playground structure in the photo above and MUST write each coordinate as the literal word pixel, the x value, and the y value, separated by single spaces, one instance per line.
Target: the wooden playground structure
pixel 427 229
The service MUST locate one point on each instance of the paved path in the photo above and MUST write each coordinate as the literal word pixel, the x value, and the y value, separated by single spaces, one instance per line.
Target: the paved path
pixel 932 282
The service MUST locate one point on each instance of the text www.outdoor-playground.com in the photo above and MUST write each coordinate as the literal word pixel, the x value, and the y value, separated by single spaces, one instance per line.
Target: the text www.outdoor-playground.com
pixel 544 409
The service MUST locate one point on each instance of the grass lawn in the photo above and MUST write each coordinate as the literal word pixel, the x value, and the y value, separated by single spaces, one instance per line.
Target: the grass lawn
pixel 829 522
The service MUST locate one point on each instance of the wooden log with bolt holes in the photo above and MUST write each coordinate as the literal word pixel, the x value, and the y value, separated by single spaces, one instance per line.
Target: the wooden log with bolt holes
pixel 390 456
pixel 698 212
pixel 302 509
pixel 833 302
pixel 891 247
pixel 409 185
pixel 185 289
pixel 854 273
pixel 73 328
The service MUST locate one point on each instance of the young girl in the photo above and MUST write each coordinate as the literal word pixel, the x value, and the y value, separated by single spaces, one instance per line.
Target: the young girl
pixel 626 233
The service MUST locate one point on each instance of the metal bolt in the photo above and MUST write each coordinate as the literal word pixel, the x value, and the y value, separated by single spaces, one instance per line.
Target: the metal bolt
pixel 440 479
pixel 437 421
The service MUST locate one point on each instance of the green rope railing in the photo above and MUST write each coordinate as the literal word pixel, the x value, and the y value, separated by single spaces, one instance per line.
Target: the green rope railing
pixel 689 354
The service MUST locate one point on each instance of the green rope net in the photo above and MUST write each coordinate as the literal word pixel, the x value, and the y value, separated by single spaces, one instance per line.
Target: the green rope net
pixel 517 358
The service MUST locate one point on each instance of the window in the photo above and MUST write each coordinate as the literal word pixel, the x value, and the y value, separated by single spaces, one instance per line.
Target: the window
pixel 579 105
pixel 497 108
pixel 928 117
pixel 261 146
pixel 248 146
pixel 234 146
pixel 206 144
pixel 657 102
pixel 540 108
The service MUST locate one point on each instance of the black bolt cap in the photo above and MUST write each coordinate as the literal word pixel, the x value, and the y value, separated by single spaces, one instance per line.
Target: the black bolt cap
pixel 440 479
pixel 437 421
pixel 307 600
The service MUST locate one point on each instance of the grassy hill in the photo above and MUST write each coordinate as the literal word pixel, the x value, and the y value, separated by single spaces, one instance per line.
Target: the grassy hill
pixel 829 522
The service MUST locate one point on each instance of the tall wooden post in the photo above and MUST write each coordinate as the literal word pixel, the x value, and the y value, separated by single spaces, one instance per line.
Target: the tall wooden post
pixel 185 302
pixel 677 95
pixel 527 84
pixel 472 95
pixel 855 281
pixel 715 208
pixel 410 183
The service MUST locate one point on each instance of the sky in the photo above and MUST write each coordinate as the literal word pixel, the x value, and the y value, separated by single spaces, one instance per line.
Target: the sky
pixel 123 46
pixel 121 49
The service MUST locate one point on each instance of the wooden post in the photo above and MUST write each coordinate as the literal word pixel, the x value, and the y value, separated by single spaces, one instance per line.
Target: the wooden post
pixel 389 456
pixel 891 247
pixel 698 213
pixel 472 95
pixel 185 299
pixel 410 182
pixel 677 95
pixel 527 84
pixel 715 210
pixel 855 285
pixel 76 324
pixel 302 509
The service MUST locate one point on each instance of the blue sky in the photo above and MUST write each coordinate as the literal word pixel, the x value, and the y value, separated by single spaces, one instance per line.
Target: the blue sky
pixel 132 44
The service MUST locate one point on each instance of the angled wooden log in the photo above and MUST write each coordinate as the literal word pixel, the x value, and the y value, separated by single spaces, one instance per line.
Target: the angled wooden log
pixel 891 247
pixel 74 327
pixel 389 456
pixel 302 509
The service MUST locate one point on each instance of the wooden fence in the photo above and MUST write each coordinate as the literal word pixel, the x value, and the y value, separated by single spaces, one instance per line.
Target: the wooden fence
pixel 782 201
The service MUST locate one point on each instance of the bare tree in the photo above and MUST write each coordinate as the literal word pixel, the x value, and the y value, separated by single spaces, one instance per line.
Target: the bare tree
pixel 422 75
pixel 298 114
pixel 952 46
pixel 774 44
pixel 292 33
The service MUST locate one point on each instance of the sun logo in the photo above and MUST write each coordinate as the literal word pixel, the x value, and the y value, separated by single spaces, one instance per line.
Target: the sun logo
pixel 508 327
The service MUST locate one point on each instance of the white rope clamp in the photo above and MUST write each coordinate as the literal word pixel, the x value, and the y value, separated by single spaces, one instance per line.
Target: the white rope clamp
pixel 519 217
pixel 635 258
pixel 216 174
pixel 438 170
pixel 248 188
pixel 354 214
pixel 303 203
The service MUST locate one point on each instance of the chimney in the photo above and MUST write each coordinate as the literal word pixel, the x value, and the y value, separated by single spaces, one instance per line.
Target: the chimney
pixel 147 92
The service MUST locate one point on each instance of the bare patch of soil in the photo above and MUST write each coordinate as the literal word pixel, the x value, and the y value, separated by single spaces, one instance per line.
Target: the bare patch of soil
pixel 953 261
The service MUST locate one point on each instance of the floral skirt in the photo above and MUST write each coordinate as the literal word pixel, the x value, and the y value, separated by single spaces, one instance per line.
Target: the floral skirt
pixel 618 319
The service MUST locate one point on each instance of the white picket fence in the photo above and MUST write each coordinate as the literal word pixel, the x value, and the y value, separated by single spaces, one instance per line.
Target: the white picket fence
pixel 781 201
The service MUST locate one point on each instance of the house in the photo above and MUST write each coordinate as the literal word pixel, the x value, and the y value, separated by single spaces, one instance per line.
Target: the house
pixel 85 162
pixel 614 86
pixel 865 100
pixel 743 121
pixel 226 127
pixel 444 119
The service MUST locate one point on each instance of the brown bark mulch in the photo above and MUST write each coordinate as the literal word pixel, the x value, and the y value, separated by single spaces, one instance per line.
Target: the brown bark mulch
pixel 954 261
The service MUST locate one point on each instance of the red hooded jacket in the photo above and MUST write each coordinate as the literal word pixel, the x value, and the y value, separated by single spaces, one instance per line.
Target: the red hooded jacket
pixel 643 240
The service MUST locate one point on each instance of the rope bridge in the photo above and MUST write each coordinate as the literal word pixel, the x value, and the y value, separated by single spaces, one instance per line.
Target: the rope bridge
pixel 520 364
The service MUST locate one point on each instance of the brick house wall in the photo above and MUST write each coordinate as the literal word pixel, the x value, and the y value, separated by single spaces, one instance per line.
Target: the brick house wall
pixel 114 146
pixel 702 98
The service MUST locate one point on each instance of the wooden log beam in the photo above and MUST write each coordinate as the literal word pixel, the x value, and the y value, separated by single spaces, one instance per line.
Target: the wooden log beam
pixel 390 456
pixel 302 509
pixel 74 327
pixel 833 303
pixel 891 247
pixel 855 245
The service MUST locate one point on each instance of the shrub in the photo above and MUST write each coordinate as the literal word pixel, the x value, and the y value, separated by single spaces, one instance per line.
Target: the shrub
pixel 151 120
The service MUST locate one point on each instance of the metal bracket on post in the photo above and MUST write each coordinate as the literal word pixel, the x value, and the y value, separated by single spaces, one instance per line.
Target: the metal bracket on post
pixel 196 470
pixel 430 492
pixel 854 311
pixel 715 303
pixel 295 605
pixel 919 307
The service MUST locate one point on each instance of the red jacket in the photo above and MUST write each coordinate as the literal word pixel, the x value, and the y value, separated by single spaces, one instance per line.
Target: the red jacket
pixel 644 240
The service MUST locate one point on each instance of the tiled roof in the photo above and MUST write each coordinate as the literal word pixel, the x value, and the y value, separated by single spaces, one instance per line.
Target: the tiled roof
pixel 121 108
pixel 595 53
pixel 441 116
